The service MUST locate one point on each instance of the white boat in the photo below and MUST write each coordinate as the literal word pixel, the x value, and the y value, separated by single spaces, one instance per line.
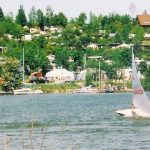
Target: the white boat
pixel 140 103
pixel 85 89
pixel 25 91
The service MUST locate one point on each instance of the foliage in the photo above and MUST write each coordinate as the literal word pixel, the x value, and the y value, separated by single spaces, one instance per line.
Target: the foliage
pixel 121 57
pixel 9 27
pixel 48 16
pixel 40 41
pixel 143 67
pixel 1 15
pixel 88 78
pixel 40 19
pixel 21 18
pixel 32 17
pixel 146 81
pixel 62 57
pixel 51 88
pixel 11 74
pixel 59 20
pixel 139 34
pixel 81 19
pixel 69 45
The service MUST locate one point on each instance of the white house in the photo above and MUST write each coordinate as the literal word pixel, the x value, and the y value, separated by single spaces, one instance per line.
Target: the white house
pixel 131 36
pixel 126 74
pixel 9 36
pixel 34 30
pixel 54 29
pixel 111 35
pixel 51 58
pixel 81 75
pixel 109 62
pixel 93 46
pixel 60 75
pixel 27 37
pixel 138 61
pixel 147 35
pixel 124 45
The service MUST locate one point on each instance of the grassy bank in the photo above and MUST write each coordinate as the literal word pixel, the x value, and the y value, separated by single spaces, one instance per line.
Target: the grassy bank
pixel 56 88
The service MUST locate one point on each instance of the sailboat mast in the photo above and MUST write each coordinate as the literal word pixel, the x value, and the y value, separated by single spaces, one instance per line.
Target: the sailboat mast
pixel 132 57
pixel 23 66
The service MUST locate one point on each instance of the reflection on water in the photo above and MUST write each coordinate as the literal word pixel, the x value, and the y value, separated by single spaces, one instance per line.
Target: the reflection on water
pixel 70 121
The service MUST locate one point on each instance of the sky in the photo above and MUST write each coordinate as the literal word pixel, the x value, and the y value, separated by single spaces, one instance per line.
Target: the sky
pixel 72 8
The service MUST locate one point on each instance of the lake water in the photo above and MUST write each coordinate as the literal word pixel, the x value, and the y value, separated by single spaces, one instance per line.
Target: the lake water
pixel 70 122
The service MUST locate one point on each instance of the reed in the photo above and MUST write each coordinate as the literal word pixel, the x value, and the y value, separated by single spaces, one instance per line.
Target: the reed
pixel 32 145
pixel 6 143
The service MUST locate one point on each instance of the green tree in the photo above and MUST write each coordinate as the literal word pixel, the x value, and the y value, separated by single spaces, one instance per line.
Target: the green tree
pixel 48 16
pixel 143 67
pixel 2 29
pixel 88 78
pixel 81 19
pixel 121 57
pixel 59 20
pixel 21 18
pixel 139 34
pixel 11 74
pixel 40 41
pixel 32 17
pixel 1 15
pixel 40 19
pixel 62 57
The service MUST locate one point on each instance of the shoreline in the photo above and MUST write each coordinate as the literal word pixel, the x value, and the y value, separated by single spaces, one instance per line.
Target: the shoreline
pixel 75 91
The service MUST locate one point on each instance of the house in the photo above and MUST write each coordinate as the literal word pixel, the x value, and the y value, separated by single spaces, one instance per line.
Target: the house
pixel 27 37
pixel 144 20
pixel 147 36
pixel 60 75
pixel 35 76
pixel 2 60
pixel 54 30
pixel 111 35
pixel 51 59
pixel 43 33
pixel 138 61
pixel 93 46
pixel 124 45
pixel 81 75
pixel 2 49
pixel 9 36
pixel 109 62
pixel 34 30
pixel 126 74
pixel 101 32
pixel 131 36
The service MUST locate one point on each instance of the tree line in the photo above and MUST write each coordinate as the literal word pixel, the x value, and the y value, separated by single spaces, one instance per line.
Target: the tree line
pixel 70 46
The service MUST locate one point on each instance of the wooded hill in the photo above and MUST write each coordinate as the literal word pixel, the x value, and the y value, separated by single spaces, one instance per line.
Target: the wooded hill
pixel 70 40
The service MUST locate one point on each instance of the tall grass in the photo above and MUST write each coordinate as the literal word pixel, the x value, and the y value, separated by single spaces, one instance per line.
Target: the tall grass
pixel 57 88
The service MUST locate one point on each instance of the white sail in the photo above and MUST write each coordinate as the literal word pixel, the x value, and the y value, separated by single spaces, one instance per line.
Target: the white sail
pixel 140 103
pixel 140 99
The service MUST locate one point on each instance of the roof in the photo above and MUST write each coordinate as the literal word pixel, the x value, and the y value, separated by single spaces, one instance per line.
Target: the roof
pixel 60 74
pixel 144 20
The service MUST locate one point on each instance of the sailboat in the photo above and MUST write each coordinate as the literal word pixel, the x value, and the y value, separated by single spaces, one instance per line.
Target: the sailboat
pixel 24 90
pixel 140 102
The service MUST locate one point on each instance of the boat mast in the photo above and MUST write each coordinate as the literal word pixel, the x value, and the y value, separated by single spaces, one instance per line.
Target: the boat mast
pixel 23 66
pixel 132 58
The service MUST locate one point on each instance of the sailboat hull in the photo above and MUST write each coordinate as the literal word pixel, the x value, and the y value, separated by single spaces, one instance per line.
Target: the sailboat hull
pixel 132 113
pixel 140 102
